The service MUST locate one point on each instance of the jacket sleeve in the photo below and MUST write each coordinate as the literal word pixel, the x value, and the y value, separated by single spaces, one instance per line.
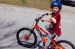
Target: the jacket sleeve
pixel 55 19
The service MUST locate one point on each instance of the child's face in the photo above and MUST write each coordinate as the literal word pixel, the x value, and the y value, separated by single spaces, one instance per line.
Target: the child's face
pixel 55 9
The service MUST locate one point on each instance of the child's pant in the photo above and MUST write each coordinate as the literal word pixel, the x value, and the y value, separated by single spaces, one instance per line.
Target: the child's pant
pixel 48 41
pixel 44 26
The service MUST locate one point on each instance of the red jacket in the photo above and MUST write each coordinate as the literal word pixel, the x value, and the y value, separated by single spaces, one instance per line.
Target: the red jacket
pixel 56 28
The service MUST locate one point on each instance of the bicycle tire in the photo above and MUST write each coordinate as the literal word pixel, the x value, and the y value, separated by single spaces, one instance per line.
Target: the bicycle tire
pixel 29 45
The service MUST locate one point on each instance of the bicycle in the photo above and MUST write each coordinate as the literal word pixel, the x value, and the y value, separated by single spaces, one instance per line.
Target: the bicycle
pixel 32 41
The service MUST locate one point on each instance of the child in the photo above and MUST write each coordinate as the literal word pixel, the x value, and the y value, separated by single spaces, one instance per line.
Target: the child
pixel 54 21
pixel 56 18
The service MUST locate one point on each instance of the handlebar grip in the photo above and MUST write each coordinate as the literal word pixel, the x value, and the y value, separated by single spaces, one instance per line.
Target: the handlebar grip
pixel 42 16
pixel 45 14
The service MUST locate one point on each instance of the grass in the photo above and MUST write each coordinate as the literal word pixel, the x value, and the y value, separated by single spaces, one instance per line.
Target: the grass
pixel 41 4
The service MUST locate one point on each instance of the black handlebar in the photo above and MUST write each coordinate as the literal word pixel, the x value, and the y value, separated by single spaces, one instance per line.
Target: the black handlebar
pixel 37 20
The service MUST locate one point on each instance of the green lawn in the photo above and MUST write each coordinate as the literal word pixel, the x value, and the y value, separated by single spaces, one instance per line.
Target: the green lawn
pixel 41 4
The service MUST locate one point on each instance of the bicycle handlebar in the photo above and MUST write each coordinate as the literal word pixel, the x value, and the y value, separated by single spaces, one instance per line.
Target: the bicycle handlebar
pixel 37 20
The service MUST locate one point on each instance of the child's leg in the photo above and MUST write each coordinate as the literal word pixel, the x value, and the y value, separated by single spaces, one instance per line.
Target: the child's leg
pixel 48 41
pixel 45 40
pixel 41 25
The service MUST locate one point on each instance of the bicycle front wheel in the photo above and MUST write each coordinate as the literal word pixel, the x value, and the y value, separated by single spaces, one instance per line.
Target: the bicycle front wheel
pixel 21 34
pixel 66 44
